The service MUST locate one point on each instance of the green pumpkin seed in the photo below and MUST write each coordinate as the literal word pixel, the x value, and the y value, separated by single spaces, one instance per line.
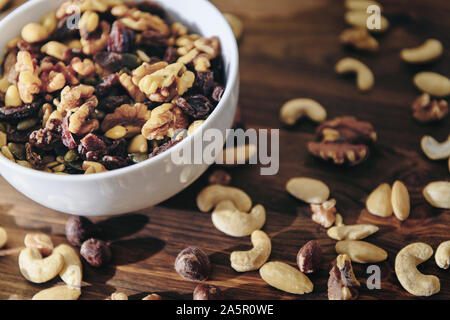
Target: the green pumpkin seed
pixel 2 127
pixel 18 150
pixel 70 156
pixel 75 165
pixel 138 157
pixel 27 124
pixel 60 159
pixel 131 61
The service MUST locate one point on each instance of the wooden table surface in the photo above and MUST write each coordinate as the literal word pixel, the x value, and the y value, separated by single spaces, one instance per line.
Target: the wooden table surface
pixel 288 50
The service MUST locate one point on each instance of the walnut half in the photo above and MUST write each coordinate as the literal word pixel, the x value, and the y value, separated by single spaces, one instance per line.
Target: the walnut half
pixel 427 110
pixel 165 120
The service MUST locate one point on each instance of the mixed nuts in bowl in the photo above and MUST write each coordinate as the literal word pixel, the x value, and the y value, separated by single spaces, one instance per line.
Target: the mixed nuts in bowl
pixel 110 97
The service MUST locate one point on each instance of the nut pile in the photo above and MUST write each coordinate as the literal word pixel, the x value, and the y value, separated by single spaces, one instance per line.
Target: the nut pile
pixel 113 91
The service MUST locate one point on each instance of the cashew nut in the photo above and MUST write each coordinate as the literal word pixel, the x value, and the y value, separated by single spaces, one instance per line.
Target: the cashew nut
pixel 36 269
pixel 442 255
pixel 379 201
pixel 71 273
pixel 253 259
pixel 361 251
pixel 435 150
pixel 352 232
pixel 432 83
pixel 430 50
pixel 358 18
pixel 213 194
pixel 58 293
pixel 237 155
pixel 295 109
pixel 437 194
pixel 286 278
pixel 119 296
pixel 39 241
pixel 401 204
pixel 308 190
pixel 3 237
pixel 364 76
pixel 339 220
pixel 411 279
pixel 361 4
pixel 233 222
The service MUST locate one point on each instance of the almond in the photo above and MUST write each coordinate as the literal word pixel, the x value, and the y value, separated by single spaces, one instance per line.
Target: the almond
pixel 400 200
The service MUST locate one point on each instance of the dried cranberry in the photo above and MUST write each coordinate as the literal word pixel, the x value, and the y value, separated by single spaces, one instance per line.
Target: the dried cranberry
pixel 217 93
pixel 106 84
pixel 18 113
pixel 47 138
pixel 120 39
pixel 91 147
pixel 164 147
pixel 197 106
pixel 171 55
pixel 67 138
pixel 114 162
pixel 109 60
pixel 205 82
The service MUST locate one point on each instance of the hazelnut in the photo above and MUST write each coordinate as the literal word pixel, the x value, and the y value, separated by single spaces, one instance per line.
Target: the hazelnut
pixel 309 257
pixel 207 292
pixel 193 264
pixel 79 229
pixel 96 252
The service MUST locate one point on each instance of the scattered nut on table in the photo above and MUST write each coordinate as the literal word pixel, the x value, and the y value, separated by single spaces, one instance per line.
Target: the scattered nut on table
pixel 39 241
pixel 360 39
pixel 442 255
pixel 285 277
pixel 96 252
pixel 361 251
pixel 352 232
pixel 207 292
pixel 238 155
pixel 72 271
pixel 379 201
pixel 358 18
pixel 432 83
pixel 364 76
pixel 37 269
pixel 58 293
pixel 210 196
pixel 426 109
pixel 79 229
pixel 295 109
pixel 411 279
pixel 3 237
pixel 324 213
pixel 219 177
pixel 343 141
pixel 235 23
pixel 233 222
pixel 152 296
pixel 308 190
pixel 309 257
pixel 437 194
pixel 193 264
pixel 435 150
pixel 342 283
pixel 401 203
pixel 339 220
pixel 119 296
pixel 430 50
pixel 253 259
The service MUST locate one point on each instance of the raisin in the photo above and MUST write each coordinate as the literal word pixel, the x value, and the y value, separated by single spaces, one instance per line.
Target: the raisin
pixel 120 39
pixel 218 68
pixel 217 93
pixel 111 103
pixel 91 147
pixel 164 147
pixel 116 147
pixel 67 138
pixel 47 138
pixel 109 60
pixel 171 55
pixel 153 38
pixel 114 162
pixel 18 113
pixel 107 84
pixel 205 82
pixel 197 106
pixel 63 32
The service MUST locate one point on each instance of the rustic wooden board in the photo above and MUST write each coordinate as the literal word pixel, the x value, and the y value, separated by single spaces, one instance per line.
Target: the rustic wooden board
pixel 288 50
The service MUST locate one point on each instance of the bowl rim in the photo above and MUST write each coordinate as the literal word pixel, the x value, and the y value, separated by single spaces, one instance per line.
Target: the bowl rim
pixel 231 82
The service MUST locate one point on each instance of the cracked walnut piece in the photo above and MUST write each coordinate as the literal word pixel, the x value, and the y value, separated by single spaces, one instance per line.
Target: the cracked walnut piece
pixel 80 122
pixel 165 84
pixel 427 110
pixel 342 283
pixel 127 114
pixel 71 98
pixel 164 121
pixel 343 140
pixel 325 213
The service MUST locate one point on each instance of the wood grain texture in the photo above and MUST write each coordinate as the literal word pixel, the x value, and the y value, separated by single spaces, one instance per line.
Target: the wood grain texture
pixel 288 50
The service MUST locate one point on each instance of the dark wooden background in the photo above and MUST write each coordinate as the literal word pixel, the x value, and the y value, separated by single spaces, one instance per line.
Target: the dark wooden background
pixel 288 50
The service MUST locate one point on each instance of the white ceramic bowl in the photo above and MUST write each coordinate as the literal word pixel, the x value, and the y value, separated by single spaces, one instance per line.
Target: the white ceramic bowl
pixel 140 185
